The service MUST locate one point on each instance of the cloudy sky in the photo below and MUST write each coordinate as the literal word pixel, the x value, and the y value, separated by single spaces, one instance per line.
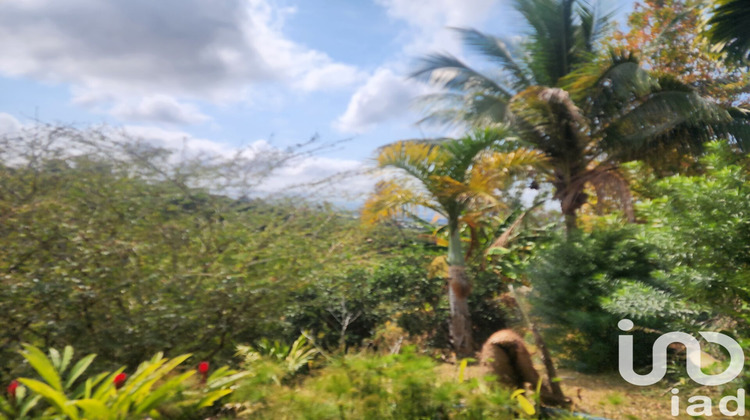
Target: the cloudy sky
pixel 223 74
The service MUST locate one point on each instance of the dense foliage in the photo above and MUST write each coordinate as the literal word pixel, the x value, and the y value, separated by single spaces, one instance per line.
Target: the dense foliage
pixel 125 267
pixel 100 252
pixel 701 225
pixel 685 267
pixel 65 390
pixel 574 277
pixel 361 386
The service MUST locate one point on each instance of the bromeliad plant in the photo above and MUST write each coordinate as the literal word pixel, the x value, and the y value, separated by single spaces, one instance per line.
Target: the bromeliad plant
pixel 155 390
pixel 286 360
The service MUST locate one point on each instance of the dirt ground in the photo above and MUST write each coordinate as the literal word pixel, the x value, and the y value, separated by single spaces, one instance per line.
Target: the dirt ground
pixel 609 396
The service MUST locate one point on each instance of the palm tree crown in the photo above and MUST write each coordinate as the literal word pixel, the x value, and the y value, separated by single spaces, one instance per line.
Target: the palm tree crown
pixel 455 178
pixel 586 113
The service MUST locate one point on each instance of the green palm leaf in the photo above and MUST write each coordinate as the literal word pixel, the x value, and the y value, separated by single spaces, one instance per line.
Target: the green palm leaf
pixel 729 29
pixel 497 50
pixel 449 72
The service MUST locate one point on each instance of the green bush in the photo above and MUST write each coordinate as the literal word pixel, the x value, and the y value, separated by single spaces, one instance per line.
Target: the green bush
pixel 403 386
pixel 577 280
pixel 701 227
pixel 125 261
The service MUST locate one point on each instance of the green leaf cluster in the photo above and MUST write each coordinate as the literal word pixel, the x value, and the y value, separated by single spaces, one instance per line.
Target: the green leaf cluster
pixel 155 390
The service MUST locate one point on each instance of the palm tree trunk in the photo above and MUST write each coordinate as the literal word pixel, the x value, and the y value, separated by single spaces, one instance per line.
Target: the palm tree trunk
pixel 571 221
pixel 459 288
pixel 571 196
pixel 556 395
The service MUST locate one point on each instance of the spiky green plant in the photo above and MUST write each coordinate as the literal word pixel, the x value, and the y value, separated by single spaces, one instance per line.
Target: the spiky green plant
pixel 154 390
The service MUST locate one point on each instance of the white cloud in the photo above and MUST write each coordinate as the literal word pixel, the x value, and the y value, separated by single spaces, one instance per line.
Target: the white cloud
pixel 329 76
pixel 9 124
pixel 428 20
pixel 304 68
pixel 431 13
pixel 382 97
pixel 387 94
pixel 186 49
pixel 159 108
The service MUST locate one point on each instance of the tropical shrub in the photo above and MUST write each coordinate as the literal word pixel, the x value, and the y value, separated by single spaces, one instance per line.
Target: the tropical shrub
pixel 701 227
pixel 362 386
pixel 577 281
pixel 154 390
pixel 290 358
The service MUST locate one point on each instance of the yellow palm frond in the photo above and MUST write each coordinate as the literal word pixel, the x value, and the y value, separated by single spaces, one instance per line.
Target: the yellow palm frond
pixel 417 158
pixel 392 199
pixel 490 173
pixel 474 192
pixel 513 162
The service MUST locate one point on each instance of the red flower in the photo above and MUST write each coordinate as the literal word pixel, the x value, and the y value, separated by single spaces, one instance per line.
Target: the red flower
pixel 203 367
pixel 12 388
pixel 119 380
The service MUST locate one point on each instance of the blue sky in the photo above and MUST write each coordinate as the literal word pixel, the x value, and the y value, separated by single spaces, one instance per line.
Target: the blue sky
pixel 224 74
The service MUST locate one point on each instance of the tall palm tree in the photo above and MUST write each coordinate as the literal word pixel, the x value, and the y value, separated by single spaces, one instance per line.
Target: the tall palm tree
pixel 585 114
pixel 454 178
pixel 729 29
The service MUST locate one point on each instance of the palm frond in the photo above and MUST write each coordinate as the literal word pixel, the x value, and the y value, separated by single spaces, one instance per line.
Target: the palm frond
pixel 550 42
pixel 737 130
pixel 462 109
pixel 594 24
pixel 507 164
pixel 470 195
pixel 670 118
pixel 448 72
pixel 729 29
pixel 490 173
pixel 463 151
pixel 415 157
pixel 607 84
pixel 393 199
pixel 497 50
pixel 506 230
pixel 548 118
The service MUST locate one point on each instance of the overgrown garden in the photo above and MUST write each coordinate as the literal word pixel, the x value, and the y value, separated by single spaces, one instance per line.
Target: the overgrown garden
pixel 598 175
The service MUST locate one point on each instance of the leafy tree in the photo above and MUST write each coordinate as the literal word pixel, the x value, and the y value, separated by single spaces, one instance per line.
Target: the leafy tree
pixel 117 248
pixel 685 267
pixel 666 33
pixel 345 309
pixel 456 179
pixel 701 226
pixel 585 115
pixel 578 282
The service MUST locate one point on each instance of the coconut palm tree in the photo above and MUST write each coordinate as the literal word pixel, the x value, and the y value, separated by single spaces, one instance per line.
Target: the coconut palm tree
pixel 587 115
pixel 456 178
pixel 729 29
